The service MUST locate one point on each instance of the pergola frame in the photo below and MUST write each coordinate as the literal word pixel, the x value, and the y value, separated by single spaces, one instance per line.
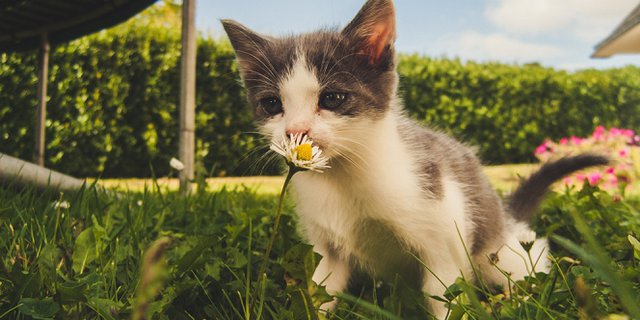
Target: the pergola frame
pixel 41 112
pixel 624 39
pixel 30 24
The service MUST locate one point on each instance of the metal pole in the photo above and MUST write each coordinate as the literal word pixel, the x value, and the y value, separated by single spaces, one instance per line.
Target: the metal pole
pixel 187 94
pixel 41 112
pixel 14 170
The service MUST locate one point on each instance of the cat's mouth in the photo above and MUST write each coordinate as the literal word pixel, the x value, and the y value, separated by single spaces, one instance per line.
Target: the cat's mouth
pixel 300 152
pixel 322 145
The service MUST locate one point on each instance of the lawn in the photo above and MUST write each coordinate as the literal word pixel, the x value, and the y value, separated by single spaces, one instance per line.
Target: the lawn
pixel 81 255
pixel 503 177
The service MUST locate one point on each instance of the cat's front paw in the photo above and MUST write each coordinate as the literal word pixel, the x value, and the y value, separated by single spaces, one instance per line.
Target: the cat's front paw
pixel 328 307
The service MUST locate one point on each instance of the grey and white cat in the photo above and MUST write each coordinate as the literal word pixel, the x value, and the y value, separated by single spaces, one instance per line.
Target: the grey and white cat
pixel 395 190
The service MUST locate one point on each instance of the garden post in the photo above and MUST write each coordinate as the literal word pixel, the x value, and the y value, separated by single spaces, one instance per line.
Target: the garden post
pixel 41 112
pixel 187 95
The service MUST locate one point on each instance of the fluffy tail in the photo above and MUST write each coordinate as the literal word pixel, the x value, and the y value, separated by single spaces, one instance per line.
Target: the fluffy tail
pixel 526 199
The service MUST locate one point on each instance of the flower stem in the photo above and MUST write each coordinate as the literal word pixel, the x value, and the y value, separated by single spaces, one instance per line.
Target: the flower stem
pixel 276 224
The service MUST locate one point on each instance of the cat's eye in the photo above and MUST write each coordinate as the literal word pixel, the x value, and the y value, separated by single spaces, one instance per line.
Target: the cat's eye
pixel 271 105
pixel 331 100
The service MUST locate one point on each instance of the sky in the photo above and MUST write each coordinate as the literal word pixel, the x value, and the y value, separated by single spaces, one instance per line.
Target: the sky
pixel 554 33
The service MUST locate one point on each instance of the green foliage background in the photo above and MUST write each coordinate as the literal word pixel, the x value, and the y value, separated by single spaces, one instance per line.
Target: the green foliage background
pixel 113 99
pixel 506 110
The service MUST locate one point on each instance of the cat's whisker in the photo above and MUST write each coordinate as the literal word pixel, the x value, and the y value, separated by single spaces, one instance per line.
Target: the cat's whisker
pixel 266 159
pixel 346 153
pixel 249 155
pixel 354 77
pixel 329 75
pixel 259 135
pixel 325 63
pixel 345 137
pixel 263 60
pixel 337 62
pixel 355 166
pixel 352 157
pixel 269 160
pixel 265 84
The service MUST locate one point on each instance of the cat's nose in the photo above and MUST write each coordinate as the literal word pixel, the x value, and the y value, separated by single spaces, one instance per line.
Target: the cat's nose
pixel 297 131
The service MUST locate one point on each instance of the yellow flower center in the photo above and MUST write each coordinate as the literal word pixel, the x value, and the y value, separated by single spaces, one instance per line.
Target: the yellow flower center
pixel 304 152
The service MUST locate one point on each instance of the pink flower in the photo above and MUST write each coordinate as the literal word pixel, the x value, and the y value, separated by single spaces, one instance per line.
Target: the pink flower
pixel 594 178
pixel 615 131
pixel 598 132
pixel 610 170
pixel 567 180
pixel 627 133
pixel 564 141
pixel 623 152
pixel 580 177
pixel 543 148
pixel 575 140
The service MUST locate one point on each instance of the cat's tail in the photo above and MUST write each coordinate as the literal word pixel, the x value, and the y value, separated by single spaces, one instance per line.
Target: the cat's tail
pixel 525 200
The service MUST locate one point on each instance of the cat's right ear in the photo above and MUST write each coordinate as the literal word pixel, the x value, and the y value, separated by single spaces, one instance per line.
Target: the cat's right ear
pixel 374 30
pixel 245 42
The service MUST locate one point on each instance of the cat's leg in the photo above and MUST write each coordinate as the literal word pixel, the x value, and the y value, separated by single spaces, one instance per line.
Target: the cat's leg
pixel 333 272
pixel 438 276
pixel 518 255
pixel 445 260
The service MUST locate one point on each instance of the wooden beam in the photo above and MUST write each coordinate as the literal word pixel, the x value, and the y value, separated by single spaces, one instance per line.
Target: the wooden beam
pixel 41 112
pixel 187 95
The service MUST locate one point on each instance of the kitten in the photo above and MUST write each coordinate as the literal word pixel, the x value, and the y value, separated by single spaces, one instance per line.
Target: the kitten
pixel 395 190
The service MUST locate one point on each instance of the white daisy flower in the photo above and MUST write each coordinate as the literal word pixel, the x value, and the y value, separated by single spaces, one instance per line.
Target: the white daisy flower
pixel 61 205
pixel 299 151
pixel 176 164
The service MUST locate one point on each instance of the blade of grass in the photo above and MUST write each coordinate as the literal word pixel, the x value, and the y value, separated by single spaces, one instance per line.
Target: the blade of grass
pixel 598 260
pixel 368 306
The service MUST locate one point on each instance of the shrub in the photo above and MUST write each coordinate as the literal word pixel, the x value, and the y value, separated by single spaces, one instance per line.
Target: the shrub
pixel 506 110
pixel 113 100
pixel 113 104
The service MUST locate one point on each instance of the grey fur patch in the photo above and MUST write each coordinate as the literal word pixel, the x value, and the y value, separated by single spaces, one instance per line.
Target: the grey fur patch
pixel 334 56
pixel 431 180
pixel 526 199
pixel 339 68
pixel 437 152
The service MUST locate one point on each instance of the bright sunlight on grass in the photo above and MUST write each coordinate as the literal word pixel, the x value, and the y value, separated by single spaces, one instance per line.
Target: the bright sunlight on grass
pixel 503 177
pixel 84 259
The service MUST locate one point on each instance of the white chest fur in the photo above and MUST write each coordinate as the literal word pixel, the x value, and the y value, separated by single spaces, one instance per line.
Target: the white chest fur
pixel 376 212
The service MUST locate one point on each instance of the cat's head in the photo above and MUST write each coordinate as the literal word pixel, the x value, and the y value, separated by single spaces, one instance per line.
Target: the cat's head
pixel 330 85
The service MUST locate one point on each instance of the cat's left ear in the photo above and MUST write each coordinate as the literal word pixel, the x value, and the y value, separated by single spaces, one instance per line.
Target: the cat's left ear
pixel 245 43
pixel 374 30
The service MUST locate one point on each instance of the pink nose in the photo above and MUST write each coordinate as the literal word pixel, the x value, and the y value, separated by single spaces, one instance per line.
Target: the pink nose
pixel 295 131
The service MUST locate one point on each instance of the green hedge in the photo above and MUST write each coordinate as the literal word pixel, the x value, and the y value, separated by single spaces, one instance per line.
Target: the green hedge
pixel 112 107
pixel 506 110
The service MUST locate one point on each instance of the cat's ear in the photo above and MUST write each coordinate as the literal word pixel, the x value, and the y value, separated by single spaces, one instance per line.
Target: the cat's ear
pixel 374 30
pixel 245 42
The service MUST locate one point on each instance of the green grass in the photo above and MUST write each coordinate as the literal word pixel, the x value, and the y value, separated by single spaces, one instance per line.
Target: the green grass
pixel 85 261
pixel 503 177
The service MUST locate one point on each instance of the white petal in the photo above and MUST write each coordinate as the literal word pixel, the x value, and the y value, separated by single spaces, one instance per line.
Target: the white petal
pixel 176 164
